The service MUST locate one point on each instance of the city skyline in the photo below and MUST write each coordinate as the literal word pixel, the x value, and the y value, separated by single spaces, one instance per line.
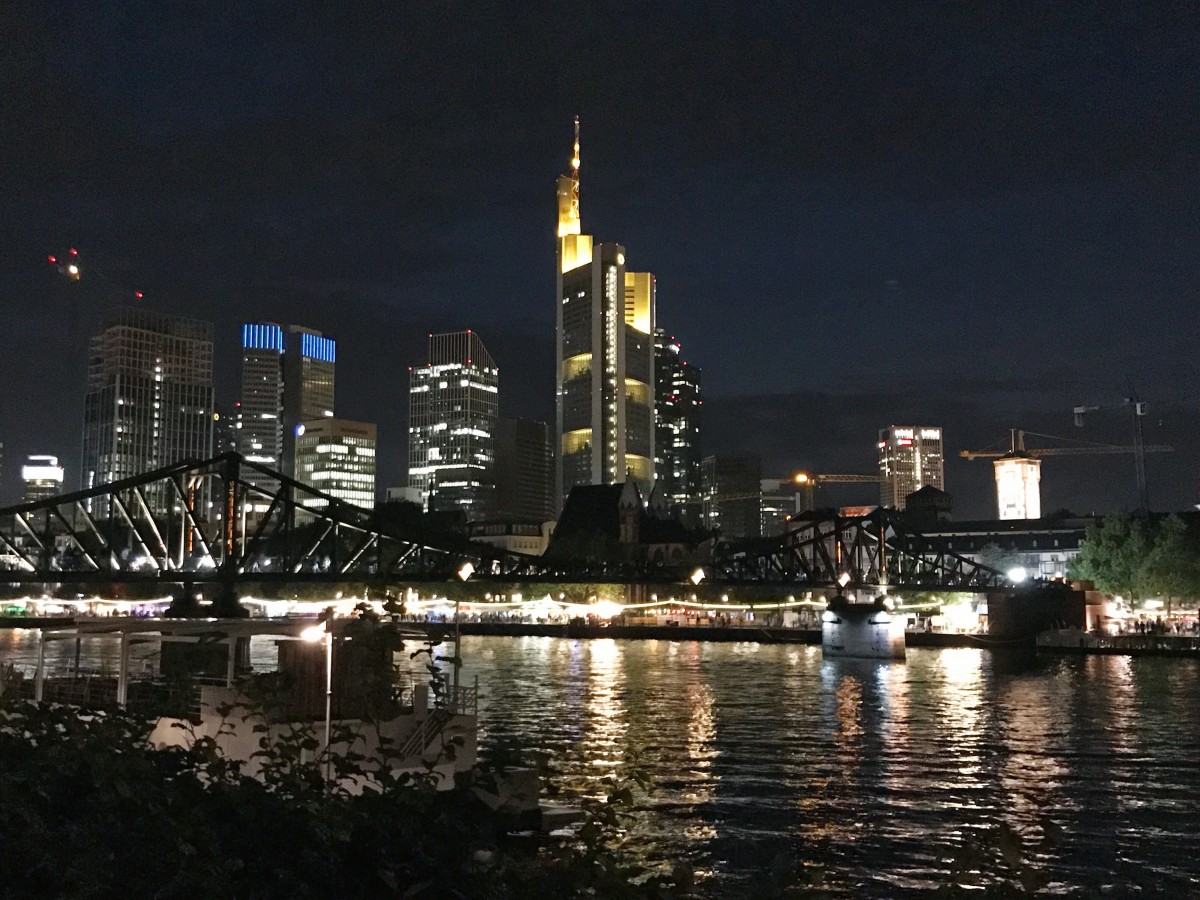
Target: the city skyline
pixel 836 249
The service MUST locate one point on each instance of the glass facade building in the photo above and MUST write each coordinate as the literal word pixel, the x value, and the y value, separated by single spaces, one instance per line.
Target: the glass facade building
pixel 732 487
pixel 149 400
pixel 524 470
pixel 452 416
pixel 677 450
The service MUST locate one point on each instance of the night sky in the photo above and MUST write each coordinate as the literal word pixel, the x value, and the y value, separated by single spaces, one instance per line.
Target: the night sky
pixel 967 215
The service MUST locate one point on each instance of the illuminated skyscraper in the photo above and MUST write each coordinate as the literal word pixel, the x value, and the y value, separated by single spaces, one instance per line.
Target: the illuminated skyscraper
pixel 337 457
pixel 43 478
pixel 604 358
pixel 308 368
pixel 260 411
pixel 452 412
pixel 287 378
pixel 677 405
pixel 910 457
pixel 149 399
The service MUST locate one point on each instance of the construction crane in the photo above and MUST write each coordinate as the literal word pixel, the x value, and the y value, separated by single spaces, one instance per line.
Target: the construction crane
pixel 808 483
pixel 1140 409
pixel 1018 469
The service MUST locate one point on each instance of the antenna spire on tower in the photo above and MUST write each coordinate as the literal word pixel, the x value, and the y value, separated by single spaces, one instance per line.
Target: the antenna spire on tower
pixel 575 157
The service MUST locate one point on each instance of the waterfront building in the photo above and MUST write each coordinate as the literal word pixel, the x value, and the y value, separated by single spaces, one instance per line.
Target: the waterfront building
pixel 677 448
pixel 531 538
pixel 337 457
pixel 1043 548
pixel 732 487
pixel 149 400
pixel 910 457
pixel 452 413
pixel 604 356
pixel 43 478
pixel 524 470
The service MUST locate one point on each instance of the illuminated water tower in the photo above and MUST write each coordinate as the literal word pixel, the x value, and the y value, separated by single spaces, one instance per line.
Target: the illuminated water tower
pixel 1018 490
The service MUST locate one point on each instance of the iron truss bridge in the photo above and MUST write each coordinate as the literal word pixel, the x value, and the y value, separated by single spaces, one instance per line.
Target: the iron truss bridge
pixel 225 520
pixel 854 552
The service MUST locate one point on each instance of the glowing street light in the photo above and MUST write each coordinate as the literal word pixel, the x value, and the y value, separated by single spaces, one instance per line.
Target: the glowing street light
pixel 1017 574
pixel 313 634
pixel 465 571
pixel 696 577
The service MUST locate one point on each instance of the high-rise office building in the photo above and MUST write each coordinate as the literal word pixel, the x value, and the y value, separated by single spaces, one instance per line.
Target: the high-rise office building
pixel 260 411
pixel 732 487
pixel 780 501
pixel 910 457
pixel 337 457
pixel 452 412
pixel 43 478
pixel 524 470
pixel 149 399
pixel 308 369
pixel 677 404
pixel 604 356
pixel 287 379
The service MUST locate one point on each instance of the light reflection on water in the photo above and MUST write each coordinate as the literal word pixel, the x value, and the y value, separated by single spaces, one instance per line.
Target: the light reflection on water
pixel 769 762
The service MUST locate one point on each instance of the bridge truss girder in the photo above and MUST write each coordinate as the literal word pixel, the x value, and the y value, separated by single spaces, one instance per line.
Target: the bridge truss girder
pixel 208 533
pixel 865 552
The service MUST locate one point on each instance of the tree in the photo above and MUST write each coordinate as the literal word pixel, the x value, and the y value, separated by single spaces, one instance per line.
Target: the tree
pixel 1113 556
pixel 1172 567
pixel 996 557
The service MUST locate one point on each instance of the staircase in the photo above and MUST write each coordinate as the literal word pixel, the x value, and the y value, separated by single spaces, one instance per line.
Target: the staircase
pixel 435 723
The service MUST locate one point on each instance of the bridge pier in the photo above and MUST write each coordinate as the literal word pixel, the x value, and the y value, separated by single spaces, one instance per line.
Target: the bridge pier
pixel 227 604
pixel 184 604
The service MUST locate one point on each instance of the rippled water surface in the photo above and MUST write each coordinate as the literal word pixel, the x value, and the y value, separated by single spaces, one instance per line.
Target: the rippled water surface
pixel 772 766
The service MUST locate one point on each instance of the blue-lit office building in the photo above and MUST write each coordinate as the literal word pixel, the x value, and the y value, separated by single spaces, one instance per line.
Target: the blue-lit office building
pixel 287 378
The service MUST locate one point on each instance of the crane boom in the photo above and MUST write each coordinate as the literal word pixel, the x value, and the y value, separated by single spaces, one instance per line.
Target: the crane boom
pixel 1018 449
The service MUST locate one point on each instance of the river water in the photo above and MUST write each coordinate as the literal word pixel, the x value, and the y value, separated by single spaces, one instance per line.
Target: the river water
pixel 773 769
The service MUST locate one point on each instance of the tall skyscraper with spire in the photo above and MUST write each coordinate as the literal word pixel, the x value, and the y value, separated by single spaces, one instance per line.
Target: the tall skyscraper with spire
pixel 604 358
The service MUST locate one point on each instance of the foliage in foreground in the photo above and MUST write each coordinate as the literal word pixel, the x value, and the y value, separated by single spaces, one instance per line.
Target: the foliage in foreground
pixel 90 810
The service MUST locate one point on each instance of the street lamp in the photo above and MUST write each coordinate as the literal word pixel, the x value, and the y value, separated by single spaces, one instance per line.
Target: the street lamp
pixel 465 571
pixel 696 577
pixel 312 635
